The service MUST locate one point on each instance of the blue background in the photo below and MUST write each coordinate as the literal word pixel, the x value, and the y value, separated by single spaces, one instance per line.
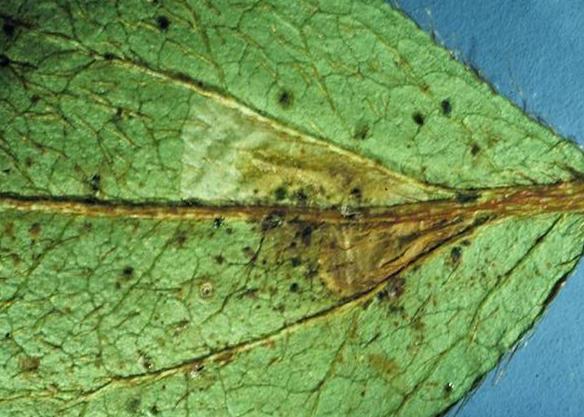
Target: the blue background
pixel 533 53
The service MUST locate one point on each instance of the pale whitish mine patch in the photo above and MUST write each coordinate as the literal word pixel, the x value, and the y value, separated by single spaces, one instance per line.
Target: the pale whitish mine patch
pixel 232 154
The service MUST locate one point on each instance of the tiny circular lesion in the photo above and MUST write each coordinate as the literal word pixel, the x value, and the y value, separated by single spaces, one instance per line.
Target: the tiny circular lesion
pixel 206 289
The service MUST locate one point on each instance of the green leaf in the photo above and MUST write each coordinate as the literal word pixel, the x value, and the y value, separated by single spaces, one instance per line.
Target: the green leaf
pixel 263 209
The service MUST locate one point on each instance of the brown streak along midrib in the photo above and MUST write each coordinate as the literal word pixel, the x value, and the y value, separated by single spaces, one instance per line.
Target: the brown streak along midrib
pixel 501 202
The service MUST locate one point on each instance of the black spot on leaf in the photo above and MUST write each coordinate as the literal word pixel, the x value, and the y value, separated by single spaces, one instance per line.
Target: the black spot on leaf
pixel 467 197
pixel 361 132
pixel 455 255
pixel 95 182
pixel 9 27
pixel 280 193
pixel 294 287
pixel 301 197
pixel 218 222
pixel 272 220
pixel 295 261
pixel 4 60
pixel 108 56
pixel 446 107
pixel 356 193
pixel 306 234
pixel 162 22
pixel 475 149
pixel 418 118
pixel 128 272
pixel 285 99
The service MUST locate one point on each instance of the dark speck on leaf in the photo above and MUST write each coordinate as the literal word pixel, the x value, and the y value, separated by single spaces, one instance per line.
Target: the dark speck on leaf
pixel 133 406
pixel 218 222
pixel 280 193
pixel 361 132
pixel 418 118
pixel 154 410
pixel 446 107
pixel 109 56
pixel 8 27
pixel 285 99
pixel 295 261
pixel 356 193
pixel 162 22
pixel 219 259
pixel 95 182
pixel 128 272
pixel 301 197
pixel 455 254
pixel 448 388
pixel 306 234
pixel 467 197
pixel 475 149
pixel 294 287
pixel 272 220
pixel 4 60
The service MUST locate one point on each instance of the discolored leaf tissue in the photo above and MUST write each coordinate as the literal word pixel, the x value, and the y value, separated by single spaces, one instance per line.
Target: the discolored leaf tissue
pixel 263 208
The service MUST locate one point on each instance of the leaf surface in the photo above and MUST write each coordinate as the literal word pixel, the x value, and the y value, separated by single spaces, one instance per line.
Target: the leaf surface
pixel 263 208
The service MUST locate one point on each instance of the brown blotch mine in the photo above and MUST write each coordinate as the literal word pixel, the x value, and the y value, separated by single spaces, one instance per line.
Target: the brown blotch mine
pixel 35 230
pixel 29 363
pixel 133 405
pixel 225 357
pixel 385 366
